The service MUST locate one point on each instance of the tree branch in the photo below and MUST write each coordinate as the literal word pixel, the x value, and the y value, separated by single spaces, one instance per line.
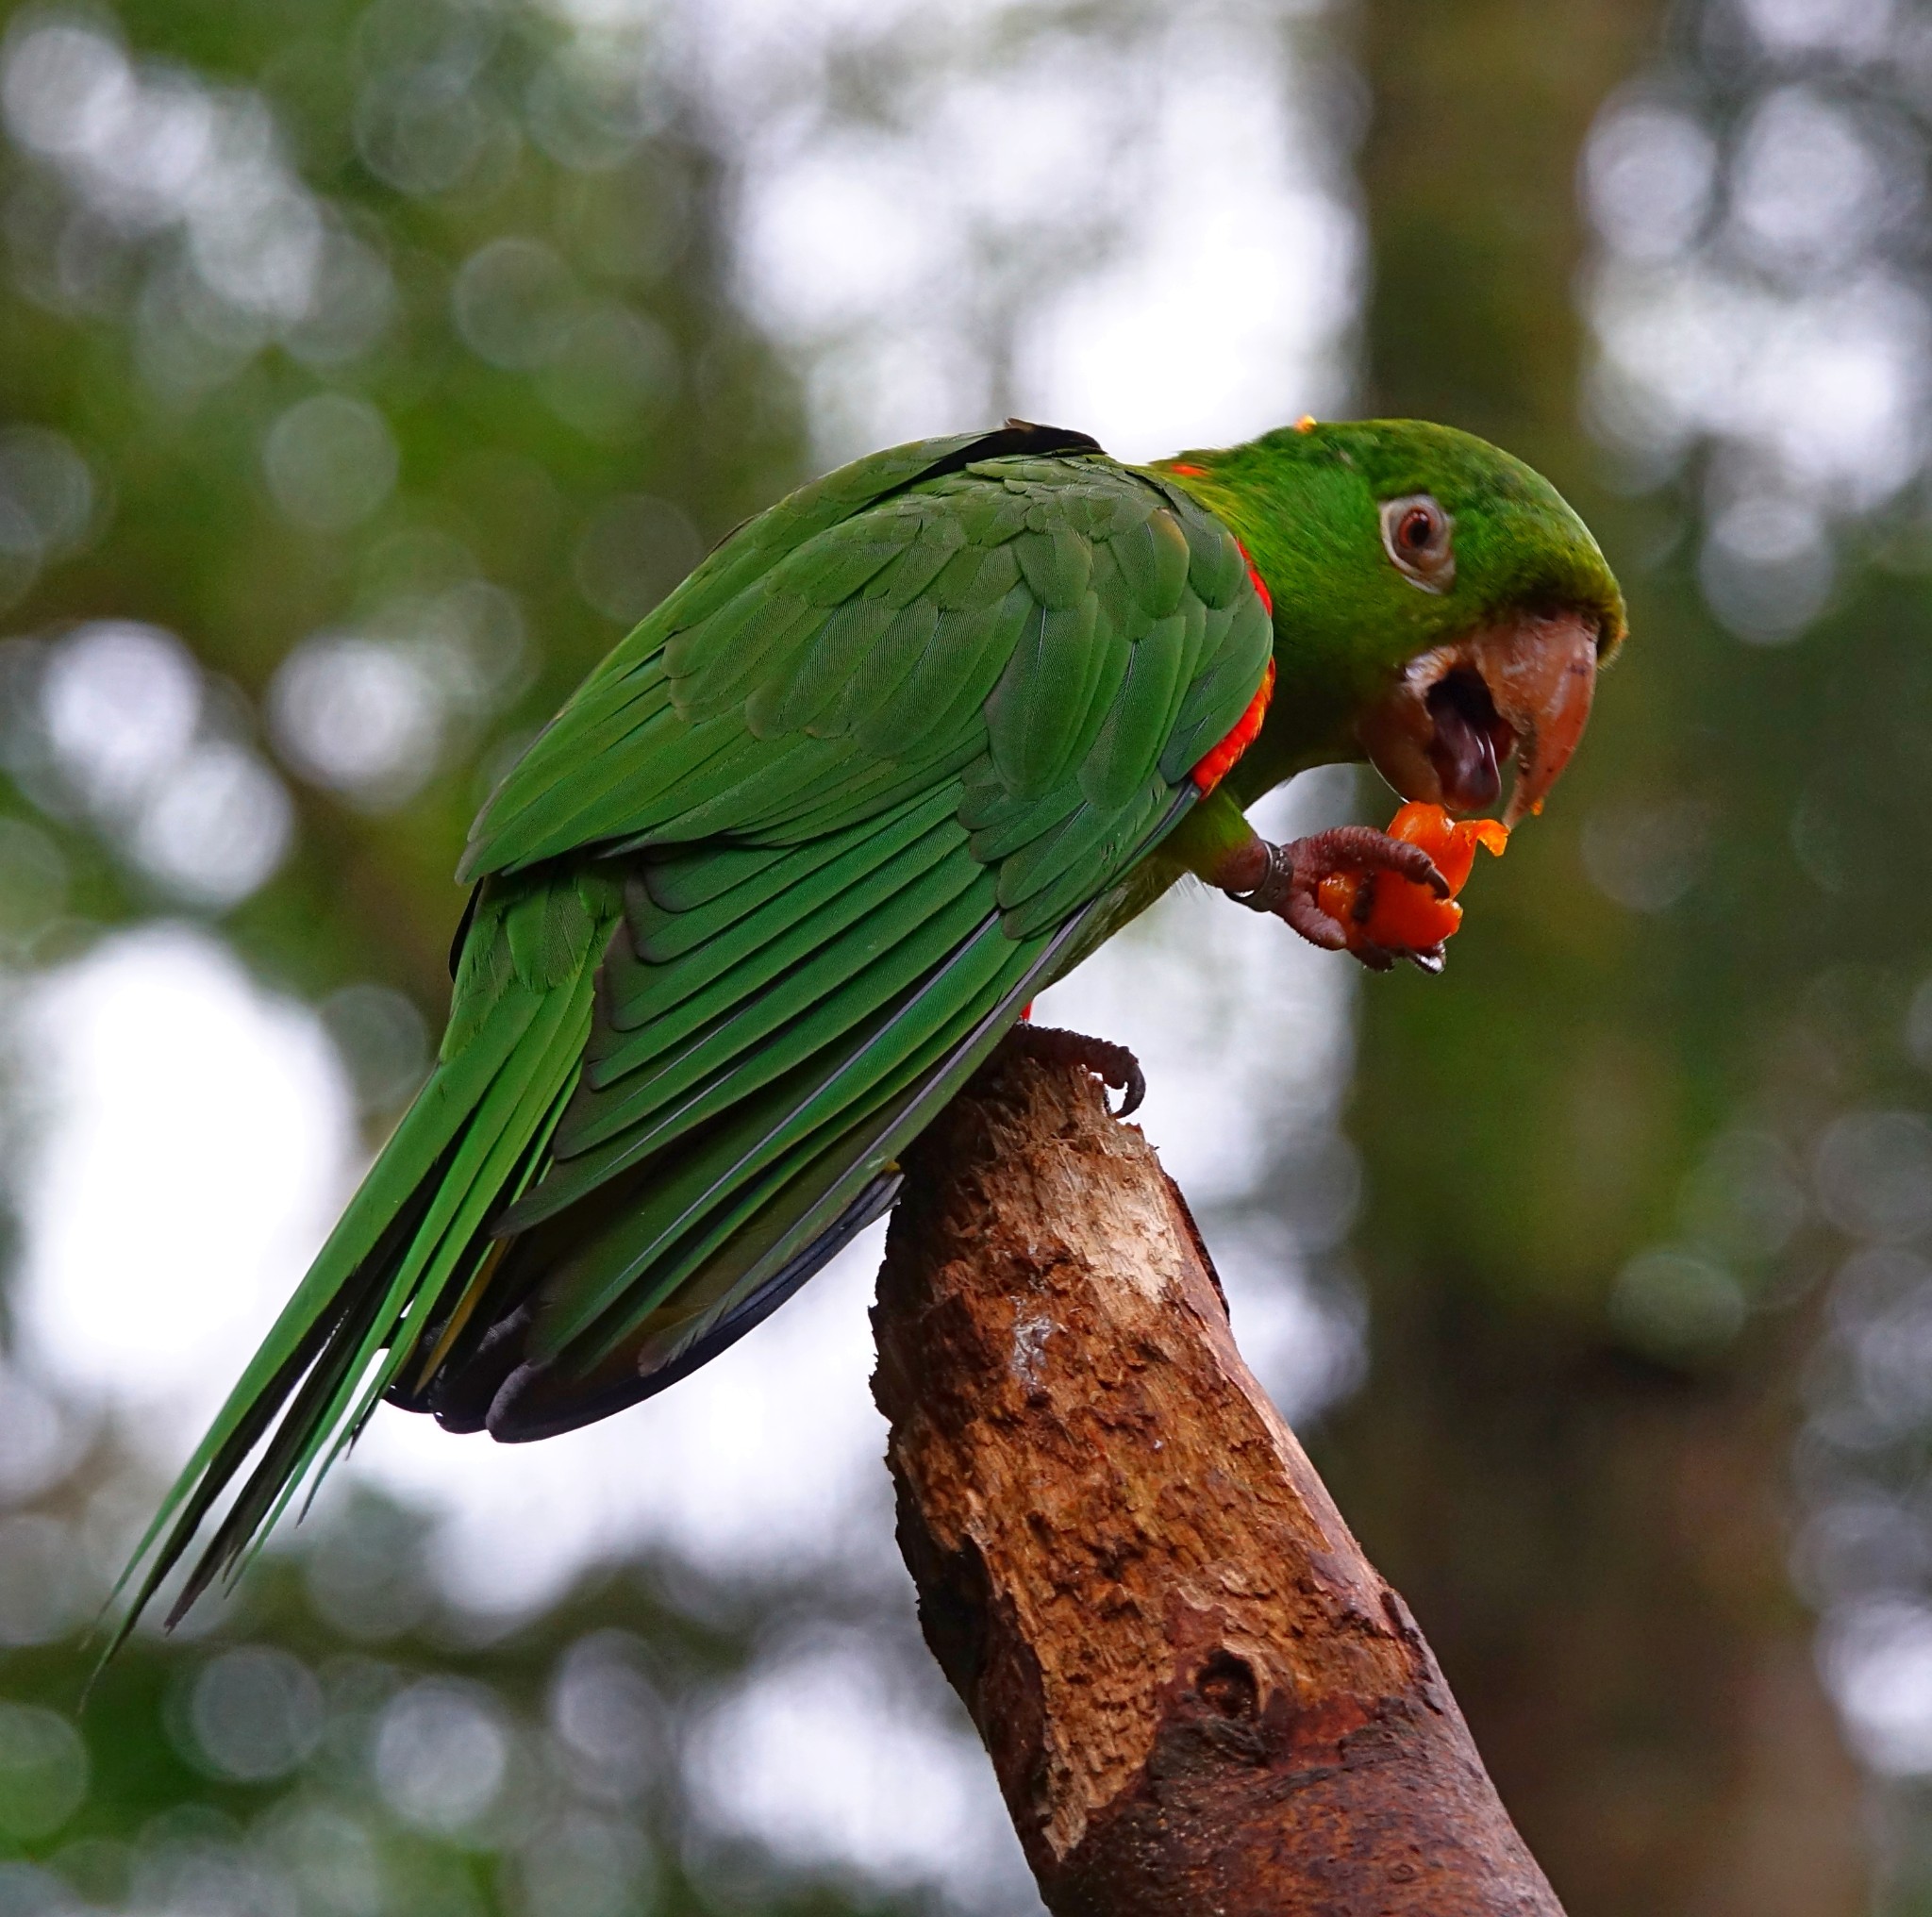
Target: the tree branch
pixel 1198 1694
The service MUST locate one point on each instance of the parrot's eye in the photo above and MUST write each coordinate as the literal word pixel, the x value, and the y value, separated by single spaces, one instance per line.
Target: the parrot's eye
pixel 1415 531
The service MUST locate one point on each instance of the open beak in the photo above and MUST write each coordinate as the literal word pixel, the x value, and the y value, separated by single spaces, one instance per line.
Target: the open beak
pixel 1444 731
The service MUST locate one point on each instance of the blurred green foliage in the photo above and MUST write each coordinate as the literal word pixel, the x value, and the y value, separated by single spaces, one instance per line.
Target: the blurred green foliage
pixel 406 322
pixel 373 365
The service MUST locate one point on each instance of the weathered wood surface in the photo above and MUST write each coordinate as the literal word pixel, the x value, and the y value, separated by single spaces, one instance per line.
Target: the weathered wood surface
pixel 1198 1694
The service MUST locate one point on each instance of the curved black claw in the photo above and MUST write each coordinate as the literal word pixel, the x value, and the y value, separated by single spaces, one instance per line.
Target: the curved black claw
pixel 1112 1064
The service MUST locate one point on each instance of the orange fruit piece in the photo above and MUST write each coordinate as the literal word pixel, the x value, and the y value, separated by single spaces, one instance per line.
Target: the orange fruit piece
pixel 1384 909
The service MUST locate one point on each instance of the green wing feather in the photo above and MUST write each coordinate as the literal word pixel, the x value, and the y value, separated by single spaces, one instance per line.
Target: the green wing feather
pixel 773 883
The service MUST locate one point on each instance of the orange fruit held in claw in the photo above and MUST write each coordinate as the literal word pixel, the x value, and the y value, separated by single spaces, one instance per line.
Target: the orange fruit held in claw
pixel 1383 908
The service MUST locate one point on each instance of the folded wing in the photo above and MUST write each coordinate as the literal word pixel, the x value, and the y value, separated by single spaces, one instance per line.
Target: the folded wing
pixel 764 893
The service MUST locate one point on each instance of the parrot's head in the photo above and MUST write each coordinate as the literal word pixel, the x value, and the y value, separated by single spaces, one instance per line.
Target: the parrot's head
pixel 1437 599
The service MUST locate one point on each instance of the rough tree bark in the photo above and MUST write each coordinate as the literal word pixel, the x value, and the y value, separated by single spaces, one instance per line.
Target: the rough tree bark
pixel 1198 1694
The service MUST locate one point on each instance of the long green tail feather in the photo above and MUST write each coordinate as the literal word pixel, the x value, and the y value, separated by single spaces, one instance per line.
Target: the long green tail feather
pixel 412 1233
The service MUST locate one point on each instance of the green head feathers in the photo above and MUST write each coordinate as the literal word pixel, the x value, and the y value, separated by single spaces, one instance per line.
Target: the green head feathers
pixel 1309 503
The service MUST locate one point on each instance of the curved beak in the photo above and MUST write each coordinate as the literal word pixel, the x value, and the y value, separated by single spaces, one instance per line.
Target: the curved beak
pixel 1444 731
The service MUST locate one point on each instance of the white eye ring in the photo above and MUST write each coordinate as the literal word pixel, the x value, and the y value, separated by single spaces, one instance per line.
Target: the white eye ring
pixel 1416 535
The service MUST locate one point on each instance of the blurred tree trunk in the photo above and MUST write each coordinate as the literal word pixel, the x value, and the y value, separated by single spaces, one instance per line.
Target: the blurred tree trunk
pixel 1596 1547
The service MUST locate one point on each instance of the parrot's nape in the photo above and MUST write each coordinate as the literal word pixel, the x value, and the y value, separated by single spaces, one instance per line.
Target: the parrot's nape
pixel 902 751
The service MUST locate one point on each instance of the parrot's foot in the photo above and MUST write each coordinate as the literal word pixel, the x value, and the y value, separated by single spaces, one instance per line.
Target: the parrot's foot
pixel 1113 1065
pixel 1290 888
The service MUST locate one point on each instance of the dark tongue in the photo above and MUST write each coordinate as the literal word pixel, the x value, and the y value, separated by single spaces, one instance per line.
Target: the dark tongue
pixel 1464 757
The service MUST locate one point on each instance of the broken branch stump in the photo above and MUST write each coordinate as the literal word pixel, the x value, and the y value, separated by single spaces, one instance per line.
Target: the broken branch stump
pixel 1198 1694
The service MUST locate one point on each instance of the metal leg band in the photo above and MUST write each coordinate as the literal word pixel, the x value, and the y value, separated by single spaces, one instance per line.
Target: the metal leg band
pixel 1275 884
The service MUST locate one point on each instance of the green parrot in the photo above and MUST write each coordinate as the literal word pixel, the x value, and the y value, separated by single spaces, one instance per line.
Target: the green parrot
pixel 901 752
